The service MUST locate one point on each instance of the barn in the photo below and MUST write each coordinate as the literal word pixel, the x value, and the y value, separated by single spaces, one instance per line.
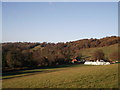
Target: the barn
pixel 98 62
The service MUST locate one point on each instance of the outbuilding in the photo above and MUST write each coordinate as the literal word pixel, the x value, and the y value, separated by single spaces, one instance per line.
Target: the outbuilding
pixel 98 62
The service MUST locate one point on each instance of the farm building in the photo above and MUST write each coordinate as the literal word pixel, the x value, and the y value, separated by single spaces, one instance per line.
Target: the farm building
pixel 98 62
pixel 78 61
pixel 74 61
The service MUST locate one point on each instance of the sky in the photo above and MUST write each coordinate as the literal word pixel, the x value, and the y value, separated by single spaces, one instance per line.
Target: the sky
pixel 58 21
pixel 0 22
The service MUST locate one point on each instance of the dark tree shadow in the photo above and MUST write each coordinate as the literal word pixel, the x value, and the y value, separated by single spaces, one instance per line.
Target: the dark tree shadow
pixel 29 71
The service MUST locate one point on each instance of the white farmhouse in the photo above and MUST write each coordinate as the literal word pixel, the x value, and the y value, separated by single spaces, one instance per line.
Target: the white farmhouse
pixel 101 62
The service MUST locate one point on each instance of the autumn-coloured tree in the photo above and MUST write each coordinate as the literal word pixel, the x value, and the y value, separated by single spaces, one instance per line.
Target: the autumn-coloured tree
pixel 98 55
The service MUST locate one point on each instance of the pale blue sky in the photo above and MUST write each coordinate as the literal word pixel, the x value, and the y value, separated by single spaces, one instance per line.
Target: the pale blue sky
pixel 0 22
pixel 58 22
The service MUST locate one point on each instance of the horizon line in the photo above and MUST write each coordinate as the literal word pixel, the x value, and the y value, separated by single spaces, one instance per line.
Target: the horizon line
pixel 57 41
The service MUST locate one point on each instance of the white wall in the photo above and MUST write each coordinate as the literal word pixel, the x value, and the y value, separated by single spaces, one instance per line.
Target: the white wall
pixel 96 63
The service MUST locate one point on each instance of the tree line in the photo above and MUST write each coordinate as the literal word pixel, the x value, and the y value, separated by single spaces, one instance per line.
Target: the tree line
pixel 32 55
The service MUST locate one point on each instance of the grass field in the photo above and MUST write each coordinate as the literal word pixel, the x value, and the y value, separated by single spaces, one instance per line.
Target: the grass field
pixel 106 49
pixel 77 76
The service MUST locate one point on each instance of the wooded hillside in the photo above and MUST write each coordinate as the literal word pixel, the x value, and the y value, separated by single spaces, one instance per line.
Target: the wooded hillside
pixel 31 55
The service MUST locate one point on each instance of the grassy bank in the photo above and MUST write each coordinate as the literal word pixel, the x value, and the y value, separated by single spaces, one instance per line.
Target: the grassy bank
pixel 71 77
pixel 106 49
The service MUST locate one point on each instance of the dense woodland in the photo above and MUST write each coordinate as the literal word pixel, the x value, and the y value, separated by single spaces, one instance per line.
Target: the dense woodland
pixel 33 55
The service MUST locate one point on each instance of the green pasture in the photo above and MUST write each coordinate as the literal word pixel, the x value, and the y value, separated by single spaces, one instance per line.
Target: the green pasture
pixel 106 49
pixel 76 76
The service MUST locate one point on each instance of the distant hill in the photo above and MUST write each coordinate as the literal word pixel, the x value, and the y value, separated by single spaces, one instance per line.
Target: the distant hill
pixel 24 54
pixel 80 44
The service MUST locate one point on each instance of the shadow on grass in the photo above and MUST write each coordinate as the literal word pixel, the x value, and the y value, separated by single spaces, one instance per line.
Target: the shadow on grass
pixel 19 74
pixel 26 72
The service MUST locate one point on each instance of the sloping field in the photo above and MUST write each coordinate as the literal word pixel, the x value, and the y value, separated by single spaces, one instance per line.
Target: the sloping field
pixel 106 49
pixel 71 77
